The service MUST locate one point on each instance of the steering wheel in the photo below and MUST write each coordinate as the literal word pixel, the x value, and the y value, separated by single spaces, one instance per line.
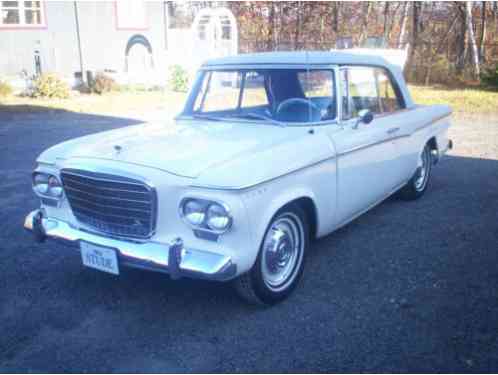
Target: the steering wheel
pixel 297 110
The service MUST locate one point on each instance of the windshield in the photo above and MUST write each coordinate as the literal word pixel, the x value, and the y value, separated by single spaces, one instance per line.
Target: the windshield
pixel 273 95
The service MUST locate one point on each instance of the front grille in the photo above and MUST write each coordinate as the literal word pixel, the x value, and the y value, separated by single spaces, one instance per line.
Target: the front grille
pixel 115 205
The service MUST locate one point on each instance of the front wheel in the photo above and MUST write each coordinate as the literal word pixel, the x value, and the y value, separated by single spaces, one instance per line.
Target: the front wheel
pixel 280 261
pixel 417 185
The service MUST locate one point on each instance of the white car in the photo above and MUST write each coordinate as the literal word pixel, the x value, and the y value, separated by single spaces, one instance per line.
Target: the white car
pixel 271 151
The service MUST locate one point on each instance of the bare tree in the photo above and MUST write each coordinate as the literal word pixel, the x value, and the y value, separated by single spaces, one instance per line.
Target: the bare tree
pixel 386 20
pixel 472 39
pixel 367 7
pixel 299 17
pixel 336 12
pixel 482 41
pixel 417 7
pixel 402 31
pixel 461 38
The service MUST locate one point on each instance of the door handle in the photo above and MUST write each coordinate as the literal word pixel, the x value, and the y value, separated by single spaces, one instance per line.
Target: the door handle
pixel 392 130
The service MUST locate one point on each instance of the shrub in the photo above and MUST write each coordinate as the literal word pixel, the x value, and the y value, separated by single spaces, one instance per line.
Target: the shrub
pixel 103 84
pixel 5 89
pixel 48 85
pixel 489 77
pixel 178 80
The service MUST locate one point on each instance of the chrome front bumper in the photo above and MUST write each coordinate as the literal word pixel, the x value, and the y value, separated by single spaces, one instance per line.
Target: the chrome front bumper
pixel 171 258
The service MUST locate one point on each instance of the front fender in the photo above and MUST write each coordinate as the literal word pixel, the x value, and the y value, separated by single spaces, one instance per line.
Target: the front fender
pixel 317 183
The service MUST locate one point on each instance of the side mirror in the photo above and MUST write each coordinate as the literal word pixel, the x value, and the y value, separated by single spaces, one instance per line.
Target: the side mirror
pixel 364 116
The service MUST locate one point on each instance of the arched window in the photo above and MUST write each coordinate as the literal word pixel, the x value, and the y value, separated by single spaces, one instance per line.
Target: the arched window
pixel 215 30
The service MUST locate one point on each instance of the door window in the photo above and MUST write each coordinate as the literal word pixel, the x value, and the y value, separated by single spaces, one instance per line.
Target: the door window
pixel 389 99
pixel 367 88
pixel 254 94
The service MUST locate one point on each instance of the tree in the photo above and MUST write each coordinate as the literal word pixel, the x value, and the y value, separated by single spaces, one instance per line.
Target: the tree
pixel 461 40
pixel 482 41
pixel 402 31
pixel 367 7
pixel 472 39
pixel 416 8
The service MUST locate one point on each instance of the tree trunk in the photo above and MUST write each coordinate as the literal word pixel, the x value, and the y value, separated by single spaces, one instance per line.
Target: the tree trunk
pixel 386 18
pixel 335 24
pixel 415 26
pixel 461 41
pixel 298 25
pixel 472 39
pixel 271 21
pixel 482 41
pixel 402 31
pixel 364 26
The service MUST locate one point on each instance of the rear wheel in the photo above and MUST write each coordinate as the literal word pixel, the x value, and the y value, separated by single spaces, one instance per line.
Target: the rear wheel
pixel 280 261
pixel 417 185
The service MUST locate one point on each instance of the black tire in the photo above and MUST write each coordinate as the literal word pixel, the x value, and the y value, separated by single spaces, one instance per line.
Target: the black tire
pixel 415 188
pixel 256 286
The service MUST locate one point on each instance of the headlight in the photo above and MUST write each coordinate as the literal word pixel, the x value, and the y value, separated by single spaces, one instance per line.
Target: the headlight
pixel 206 215
pixel 40 183
pixel 218 218
pixel 194 212
pixel 54 187
pixel 47 185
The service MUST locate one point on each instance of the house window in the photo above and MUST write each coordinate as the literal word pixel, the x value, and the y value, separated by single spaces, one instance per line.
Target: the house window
pixel 21 13
pixel 131 14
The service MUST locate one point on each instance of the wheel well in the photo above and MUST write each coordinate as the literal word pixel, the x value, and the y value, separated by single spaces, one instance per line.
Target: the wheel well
pixel 309 208
pixel 432 143
pixel 435 152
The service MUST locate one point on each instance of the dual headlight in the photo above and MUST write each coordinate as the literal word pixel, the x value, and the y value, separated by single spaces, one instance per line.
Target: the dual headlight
pixel 206 215
pixel 47 185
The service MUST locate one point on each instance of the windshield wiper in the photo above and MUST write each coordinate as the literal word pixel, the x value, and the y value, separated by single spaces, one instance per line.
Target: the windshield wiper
pixel 262 117
pixel 206 117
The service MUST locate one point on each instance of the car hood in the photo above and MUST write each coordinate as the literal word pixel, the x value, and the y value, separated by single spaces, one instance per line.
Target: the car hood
pixel 185 148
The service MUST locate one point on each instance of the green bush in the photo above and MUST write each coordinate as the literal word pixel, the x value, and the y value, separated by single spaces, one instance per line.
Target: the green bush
pixel 489 77
pixel 48 85
pixel 103 84
pixel 5 89
pixel 178 80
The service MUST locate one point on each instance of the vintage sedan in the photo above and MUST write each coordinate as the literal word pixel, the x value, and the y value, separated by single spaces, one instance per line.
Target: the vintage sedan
pixel 271 151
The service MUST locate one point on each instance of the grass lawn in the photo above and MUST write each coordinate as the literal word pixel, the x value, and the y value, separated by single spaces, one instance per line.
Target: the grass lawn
pixel 464 100
pixel 136 103
pixel 127 103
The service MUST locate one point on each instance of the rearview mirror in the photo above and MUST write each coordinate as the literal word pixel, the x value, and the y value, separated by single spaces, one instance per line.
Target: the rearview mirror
pixel 364 116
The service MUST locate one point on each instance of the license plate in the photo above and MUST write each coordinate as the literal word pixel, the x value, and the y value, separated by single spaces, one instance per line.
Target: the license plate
pixel 100 258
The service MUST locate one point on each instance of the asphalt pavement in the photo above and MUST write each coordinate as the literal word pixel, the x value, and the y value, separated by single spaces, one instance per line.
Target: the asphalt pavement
pixel 407 287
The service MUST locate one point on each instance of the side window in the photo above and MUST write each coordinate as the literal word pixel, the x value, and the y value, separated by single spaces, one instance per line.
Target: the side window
pixel 389 100
pixel 254 94
pixel 362 90
pixel 318 86
pixel 317 83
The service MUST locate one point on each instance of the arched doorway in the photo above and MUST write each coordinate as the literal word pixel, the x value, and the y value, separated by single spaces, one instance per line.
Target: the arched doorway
pixel 215 33
pixel 139 61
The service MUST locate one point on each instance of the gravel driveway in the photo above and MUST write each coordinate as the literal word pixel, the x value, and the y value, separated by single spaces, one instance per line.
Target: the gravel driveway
pixel 408 287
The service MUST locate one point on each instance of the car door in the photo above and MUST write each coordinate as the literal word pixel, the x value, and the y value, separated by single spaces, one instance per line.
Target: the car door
pixel 366 156
pixel 401 123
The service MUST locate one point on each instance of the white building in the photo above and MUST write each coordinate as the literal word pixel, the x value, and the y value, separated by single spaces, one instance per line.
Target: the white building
pixel 135 40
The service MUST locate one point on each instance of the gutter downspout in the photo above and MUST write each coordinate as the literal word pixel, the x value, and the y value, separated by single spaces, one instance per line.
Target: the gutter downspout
pixel 79 41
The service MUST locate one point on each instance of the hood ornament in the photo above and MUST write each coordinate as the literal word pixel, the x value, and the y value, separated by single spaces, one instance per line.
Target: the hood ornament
pixel 118 149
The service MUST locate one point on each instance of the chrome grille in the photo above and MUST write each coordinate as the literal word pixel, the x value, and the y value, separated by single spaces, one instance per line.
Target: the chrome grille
pixel 111 204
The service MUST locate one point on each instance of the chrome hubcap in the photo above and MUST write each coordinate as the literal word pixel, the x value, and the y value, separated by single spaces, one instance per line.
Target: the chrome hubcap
pixel 424 168
pixel 282 252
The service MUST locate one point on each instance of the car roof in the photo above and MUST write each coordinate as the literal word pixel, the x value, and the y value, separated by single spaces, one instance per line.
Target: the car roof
pixel 301 58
